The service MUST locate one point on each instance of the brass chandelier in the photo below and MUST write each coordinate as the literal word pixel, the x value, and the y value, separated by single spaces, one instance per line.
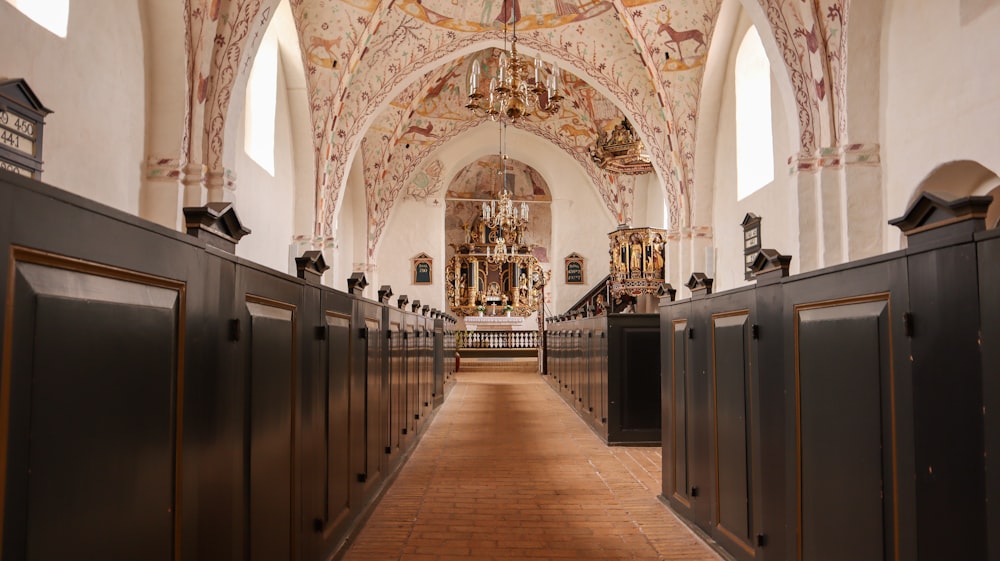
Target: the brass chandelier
pixel 621 151
pixel 510 94
pixel 504 216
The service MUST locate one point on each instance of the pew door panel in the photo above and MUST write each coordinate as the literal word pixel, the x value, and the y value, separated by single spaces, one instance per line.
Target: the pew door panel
pixel 82 462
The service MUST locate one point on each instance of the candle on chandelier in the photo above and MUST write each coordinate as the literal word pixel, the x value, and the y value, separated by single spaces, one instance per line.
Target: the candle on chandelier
pixel 474 78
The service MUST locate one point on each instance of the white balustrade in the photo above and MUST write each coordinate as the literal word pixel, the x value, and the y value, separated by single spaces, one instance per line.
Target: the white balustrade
pixel 496 339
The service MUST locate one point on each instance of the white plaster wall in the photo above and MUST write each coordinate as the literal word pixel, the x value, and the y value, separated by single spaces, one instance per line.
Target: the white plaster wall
pixel 265 203
pixel 415 227
pixel 347 230
pixel 94 81
pixel 160 200
pixel 776 202
pixel 352 233
pixel 941 92
pixel 578 226
pixel 304 154
pixel 649 203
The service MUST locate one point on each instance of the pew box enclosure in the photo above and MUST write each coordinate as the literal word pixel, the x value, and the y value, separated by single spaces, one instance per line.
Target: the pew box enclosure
pixel 607 369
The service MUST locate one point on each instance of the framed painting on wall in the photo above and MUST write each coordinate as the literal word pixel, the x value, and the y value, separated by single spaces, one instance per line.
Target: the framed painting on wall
pixel 575 269
pixel 422 269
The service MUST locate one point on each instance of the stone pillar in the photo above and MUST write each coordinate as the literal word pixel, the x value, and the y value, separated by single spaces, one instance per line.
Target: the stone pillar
pixel 832 205
pixel 840 206
pixel 701 239
pixel 220 185
pixel 673 258
pixel 160 200
pixel 685 267
pixel 162 193
pixel 685 252
pixel 194 189
pixel 865 205
pixel 806 182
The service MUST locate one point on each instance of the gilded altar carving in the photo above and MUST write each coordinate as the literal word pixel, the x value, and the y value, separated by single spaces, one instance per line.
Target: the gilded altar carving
pixel 476 282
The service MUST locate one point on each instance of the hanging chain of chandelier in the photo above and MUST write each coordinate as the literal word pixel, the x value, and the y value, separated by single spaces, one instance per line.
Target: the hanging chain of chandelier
pixel 511 94
pixel 502 215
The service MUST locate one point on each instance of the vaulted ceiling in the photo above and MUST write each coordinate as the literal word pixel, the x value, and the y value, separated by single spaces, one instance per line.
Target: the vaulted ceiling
pixel 387 80
pixel 390 78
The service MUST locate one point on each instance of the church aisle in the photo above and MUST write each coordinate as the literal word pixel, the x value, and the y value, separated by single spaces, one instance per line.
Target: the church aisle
pixel 507 471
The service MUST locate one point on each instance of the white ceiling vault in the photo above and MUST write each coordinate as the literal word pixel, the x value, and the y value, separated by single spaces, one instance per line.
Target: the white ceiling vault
pixel 389 78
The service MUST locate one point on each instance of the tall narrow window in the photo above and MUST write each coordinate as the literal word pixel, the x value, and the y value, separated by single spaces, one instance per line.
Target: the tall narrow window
pixel 262 96
pixel 754 141
pixel 50 14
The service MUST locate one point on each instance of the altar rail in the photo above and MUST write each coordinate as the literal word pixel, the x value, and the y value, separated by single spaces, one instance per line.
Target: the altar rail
pixel 520 340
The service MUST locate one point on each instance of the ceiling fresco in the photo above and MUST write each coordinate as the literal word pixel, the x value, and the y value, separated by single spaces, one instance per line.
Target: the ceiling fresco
pixel 403 91
pixel 386 79
pixel 432 111
pixel 476 17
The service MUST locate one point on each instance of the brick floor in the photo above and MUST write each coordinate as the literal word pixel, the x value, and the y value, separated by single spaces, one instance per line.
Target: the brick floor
pixel 507 471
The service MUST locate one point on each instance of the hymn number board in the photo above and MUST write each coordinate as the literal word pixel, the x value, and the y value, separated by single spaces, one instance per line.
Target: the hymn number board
pixel 22 118
pixel 751 243
pixel 575 269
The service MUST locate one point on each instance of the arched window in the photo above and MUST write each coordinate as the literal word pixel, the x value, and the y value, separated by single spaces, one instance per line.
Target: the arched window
pixel 754 141
pixel 262 98
pixel 50 14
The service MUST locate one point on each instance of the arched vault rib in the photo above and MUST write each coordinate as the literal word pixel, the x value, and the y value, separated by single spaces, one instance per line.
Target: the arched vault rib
pixel 800 74
pixel 220 40
pixel 236 41
pixel 325 208
pixel 349 135
pixel 634 105
pixel 645 55
pixel 380 183
pixel 680 211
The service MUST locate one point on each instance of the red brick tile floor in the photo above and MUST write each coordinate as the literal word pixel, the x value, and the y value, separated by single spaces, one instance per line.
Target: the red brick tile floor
pixel 507 470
